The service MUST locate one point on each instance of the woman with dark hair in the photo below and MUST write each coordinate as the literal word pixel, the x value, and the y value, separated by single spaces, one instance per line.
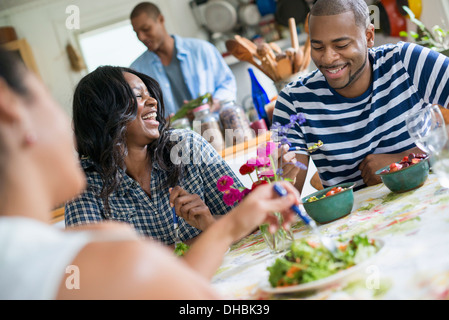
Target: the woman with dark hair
pixel 38 170
pixel 132 158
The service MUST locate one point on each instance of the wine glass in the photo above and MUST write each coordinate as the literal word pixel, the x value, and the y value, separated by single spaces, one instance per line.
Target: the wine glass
pixel 441 164
pixel 426 127
pixel 430 134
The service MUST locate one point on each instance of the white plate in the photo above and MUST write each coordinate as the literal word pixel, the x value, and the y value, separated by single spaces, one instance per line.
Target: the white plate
pixel 325 282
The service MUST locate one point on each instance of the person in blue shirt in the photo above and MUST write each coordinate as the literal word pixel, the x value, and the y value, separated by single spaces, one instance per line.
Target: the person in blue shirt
pixel 184 67
pixel 357 100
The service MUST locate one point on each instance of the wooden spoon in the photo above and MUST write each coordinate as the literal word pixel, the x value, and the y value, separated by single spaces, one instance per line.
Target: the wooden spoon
pixel 284 68
pixel 307 46
pixel 241 52
pixel 306 60
pixel 298 61
pixel 293 33
pixel 290 53
pixel 275 47
pixel 268 62
pixel 251 46
pixel 298 58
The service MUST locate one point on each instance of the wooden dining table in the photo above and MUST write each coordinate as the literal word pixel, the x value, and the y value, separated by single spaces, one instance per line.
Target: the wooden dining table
pixel 412 264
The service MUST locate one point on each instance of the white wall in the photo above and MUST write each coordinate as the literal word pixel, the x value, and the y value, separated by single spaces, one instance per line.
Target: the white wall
pixel 42 23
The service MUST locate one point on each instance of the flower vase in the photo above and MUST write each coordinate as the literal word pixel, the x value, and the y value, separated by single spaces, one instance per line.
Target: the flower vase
pixel 278 241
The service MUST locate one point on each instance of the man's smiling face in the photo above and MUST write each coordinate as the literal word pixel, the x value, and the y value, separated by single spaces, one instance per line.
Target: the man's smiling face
pixel 340 52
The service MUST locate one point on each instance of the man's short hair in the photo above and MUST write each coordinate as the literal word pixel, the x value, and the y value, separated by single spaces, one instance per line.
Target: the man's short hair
pixel 333 7
pixel 149 8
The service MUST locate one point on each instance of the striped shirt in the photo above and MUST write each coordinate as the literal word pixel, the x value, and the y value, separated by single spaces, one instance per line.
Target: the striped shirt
pixel 406 77
pixel 152 215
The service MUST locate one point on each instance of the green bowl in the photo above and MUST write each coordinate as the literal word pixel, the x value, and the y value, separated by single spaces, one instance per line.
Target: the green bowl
pixel 406 179
pixel 332 207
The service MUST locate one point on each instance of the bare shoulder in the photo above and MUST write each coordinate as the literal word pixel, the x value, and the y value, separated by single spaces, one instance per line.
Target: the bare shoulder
pixel 133 269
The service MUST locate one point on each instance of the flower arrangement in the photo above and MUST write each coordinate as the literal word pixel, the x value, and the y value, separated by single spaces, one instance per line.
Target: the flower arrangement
pixel 263 166
pixel 262 170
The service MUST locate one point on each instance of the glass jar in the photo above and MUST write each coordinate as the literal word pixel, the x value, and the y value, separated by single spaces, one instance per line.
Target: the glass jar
pixel 182 123
pixel 235 124
pixel 280 240
pixel 207 125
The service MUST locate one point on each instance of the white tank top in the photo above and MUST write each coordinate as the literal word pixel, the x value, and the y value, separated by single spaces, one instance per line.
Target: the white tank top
pixel 35 258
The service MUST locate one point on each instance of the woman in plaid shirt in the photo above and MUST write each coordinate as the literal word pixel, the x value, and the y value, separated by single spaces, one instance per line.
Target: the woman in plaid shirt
pixel 131 158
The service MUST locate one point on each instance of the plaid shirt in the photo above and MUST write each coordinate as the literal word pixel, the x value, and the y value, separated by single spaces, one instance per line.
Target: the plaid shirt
pixel 152 216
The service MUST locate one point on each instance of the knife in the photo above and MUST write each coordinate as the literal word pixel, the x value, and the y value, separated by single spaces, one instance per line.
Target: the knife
pixel 175 226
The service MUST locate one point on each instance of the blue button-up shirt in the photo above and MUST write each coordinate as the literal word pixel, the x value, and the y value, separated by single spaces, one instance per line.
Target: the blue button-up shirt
pixel 152 215
pixel 203 67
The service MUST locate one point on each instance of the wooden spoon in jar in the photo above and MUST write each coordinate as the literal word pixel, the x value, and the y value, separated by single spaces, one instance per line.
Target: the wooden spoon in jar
pixel 307 47
pixel 268 59
pixel 242 53
pixel 298 57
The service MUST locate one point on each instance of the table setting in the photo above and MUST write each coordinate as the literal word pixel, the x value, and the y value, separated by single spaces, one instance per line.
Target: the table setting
pixel 392 238
pixel 413 263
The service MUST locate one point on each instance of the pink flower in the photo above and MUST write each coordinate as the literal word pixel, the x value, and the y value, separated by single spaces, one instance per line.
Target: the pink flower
pixel 258 162
pixel 231 196
pixel 263 162
pixel 265 150
pixel 267 174
pixel 251 162
pixel 224 183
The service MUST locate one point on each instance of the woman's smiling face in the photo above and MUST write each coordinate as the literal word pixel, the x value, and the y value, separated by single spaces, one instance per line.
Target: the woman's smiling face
pixel 145 128
pixel 340 52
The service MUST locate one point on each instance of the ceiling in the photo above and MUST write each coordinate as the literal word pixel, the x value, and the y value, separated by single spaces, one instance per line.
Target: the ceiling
pixel 8 4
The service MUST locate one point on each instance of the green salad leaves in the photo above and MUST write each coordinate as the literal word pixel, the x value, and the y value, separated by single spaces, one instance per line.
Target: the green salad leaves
pixel 306 262
pixel 181 249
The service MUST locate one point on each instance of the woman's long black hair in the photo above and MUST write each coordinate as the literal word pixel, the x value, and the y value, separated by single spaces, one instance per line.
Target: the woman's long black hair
pixel 103 105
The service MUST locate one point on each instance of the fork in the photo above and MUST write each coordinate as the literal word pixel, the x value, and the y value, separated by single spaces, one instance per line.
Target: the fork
pixel 327 242
pixel 309 150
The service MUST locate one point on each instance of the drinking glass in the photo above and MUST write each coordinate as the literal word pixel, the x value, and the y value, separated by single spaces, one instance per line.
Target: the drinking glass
pixel 441 163
pixel 430 134
pixel 279 241
pixel 426 127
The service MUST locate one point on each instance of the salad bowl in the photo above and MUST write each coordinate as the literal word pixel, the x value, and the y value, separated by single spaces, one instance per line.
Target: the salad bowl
pixel 344 275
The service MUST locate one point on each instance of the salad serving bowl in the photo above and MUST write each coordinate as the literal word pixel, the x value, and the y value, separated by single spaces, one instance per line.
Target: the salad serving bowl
pixel 318 274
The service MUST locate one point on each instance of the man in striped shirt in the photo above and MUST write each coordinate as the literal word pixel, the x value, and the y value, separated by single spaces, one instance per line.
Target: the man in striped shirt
pixel 357 100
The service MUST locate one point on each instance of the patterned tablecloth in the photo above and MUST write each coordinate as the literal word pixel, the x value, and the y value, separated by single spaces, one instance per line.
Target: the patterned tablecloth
pixel 414 263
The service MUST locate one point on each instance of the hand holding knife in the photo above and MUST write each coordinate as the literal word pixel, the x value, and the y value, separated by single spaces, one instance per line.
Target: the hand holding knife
pixel 175 226
pixel 175 222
